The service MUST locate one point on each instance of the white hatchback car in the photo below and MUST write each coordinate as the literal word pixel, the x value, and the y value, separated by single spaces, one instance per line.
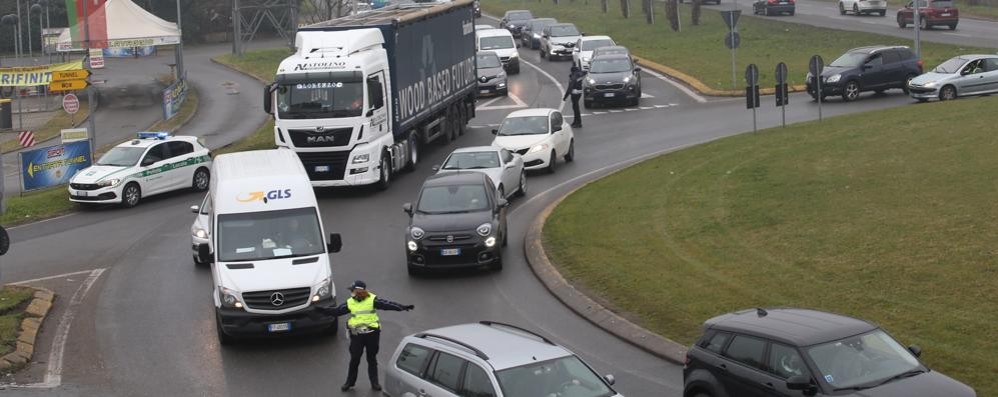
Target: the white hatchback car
pixel 153 163
pixel 200 229
pixel 502 166
pixel 501 42
pixel 858 7
pixel 538 135
pixel 584 48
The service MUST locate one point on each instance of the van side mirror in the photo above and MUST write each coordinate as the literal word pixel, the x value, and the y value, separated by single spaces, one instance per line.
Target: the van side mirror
pixel 204 254
pixel 802 383
pixel 407 207
pixel 268 96
pixel 917 351
pixel 609 379
pixel 335 243
pixel 503 203
pixel 195 209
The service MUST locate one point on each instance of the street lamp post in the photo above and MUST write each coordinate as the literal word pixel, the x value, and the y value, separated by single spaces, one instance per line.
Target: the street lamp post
pixel 918 30
pixel 37 9
pixel 30 49
pixel 180 47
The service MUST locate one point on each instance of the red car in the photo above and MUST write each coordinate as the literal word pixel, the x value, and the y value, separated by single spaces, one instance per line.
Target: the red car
pixel 930 13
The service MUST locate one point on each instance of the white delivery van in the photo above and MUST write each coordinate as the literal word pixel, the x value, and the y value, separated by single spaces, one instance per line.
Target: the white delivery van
pixel 270 262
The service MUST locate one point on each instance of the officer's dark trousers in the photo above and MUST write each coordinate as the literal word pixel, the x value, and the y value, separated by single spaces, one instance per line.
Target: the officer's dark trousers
pixel 577 118
pixel 358 343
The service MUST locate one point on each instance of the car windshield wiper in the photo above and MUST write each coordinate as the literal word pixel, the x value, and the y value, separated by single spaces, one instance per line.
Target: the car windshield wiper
pixel 906 374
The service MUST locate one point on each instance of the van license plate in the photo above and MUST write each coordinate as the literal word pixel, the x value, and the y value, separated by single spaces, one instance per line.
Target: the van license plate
pixel 450 252
pixel 322 168
pixel 279 327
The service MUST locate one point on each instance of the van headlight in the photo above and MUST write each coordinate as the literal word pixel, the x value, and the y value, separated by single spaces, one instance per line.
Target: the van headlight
pixel 199 233
pixel 323 290
pixel 539 148
pixel 228 298
pixel 361 158
pixel 484 229
pixel 109 182
pixel 416 233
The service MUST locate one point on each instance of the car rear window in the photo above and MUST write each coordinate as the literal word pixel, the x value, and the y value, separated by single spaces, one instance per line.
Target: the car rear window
pixel 942 4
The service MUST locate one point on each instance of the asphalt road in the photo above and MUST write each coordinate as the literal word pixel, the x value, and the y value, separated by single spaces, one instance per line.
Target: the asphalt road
pixel 970 32
pixel 147 327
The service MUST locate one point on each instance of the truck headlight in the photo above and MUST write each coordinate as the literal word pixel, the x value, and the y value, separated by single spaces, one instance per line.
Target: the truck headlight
pixel 412 246
pixel 361 158
pixel 416 233
pixel 833 78
pixel 228 298
pixel 109 182
pixel 323 290
pixel 484 229
pixel 539 148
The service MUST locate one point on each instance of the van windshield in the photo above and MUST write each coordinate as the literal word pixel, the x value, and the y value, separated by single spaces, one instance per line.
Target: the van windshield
pixel 320 100
pixel 495 42
pixel 256 236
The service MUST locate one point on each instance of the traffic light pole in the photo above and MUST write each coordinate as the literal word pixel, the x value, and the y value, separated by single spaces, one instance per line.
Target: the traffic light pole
pixel 91 102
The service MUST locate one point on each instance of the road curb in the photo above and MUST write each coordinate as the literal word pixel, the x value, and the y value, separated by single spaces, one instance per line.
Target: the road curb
pixel 702 88
pixel 31 325
pixel 585 306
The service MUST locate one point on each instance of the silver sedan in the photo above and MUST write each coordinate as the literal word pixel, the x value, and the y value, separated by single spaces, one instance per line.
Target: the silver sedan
pixel 960 76
pixel 505 168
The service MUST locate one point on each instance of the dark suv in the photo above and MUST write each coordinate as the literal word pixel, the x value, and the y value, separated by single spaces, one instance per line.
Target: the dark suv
pixel 876 68
pixel 800 352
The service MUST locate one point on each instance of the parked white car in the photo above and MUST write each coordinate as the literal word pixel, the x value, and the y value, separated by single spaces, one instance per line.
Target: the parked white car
pixel 539 135
pixel 153 163
pixel 504 167
pixel 857 7
pixel 501 42
pixel 584 48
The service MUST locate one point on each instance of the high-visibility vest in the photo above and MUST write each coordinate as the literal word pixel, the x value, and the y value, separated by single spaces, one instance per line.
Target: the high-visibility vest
pixel 362 313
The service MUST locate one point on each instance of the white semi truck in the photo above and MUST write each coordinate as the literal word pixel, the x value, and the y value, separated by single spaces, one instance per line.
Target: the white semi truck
pixel 362 93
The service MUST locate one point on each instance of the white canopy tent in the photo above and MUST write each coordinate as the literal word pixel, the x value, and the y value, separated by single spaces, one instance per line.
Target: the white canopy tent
pixel 128 25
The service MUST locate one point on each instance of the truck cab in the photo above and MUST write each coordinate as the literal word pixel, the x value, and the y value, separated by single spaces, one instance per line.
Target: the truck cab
pixel 270 261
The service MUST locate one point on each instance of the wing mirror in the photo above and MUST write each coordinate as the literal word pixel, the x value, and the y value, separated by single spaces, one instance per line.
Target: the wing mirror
pixel 802 383
pixel 407 207
pixel 637 70
pixel 335 243
pixel 503 203
pixel 609 379
pixel 917 351
pixel 268 92
pixel 436 168
pixel 204 254
pixel 495 131
pixel 195 209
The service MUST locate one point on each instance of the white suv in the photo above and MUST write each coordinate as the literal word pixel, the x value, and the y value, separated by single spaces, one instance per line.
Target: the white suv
pixel 858 7
pixel 558 40
pixel 489 359
pixel 584 48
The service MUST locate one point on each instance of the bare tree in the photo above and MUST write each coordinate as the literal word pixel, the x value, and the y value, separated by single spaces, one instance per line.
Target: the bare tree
pixel 606 5
pixel 672 14
pixel 695 14
pixel 625 8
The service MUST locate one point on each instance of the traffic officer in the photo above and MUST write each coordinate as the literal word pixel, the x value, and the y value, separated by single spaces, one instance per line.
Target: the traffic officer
pixel 365 330
pixel 575 91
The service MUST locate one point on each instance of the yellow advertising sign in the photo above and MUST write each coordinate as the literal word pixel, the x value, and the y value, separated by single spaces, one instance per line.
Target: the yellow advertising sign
pixel 69 85
pixel 63 75
pixel 34 75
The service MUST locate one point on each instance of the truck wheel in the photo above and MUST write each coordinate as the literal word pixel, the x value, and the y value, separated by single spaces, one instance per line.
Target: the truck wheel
pixel 386 173
pixel 413 159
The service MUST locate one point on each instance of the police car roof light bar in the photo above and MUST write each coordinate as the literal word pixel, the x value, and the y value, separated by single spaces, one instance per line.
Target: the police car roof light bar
pixel 161 135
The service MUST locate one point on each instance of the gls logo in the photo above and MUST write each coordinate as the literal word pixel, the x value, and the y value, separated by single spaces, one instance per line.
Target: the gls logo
pixel 265 197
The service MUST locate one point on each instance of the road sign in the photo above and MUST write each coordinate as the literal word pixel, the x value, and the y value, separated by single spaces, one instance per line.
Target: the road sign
pixel 752 75
pixel 781 73
pixel 70 103
pixel 782 94
pixel 74 135
pixel 732 40
pixel 26 138
pixel 96 58
pixel 751 97
pixel 816 65
pixel 64 75
pixel 68 85
pixel 731 18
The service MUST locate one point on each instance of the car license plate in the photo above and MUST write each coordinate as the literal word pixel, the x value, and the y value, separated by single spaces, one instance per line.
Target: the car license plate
pixel 609 95
pixel 483 91
pixel 279 327
pixel 83 194
pixel 322 168
pixel 945 14
pixel 450 252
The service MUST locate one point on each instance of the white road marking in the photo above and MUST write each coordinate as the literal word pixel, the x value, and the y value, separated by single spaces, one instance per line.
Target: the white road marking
pixel 64 275
pixel 550 77
pixel 599 112
pixel 518 104
pixel 615 111
pixel 53 375
pixel 646 95
pixel 683 88
pixel 43 221
pixel 647 107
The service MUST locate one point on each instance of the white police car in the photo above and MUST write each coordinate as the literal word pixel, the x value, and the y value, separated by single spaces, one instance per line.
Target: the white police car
pixel 153 163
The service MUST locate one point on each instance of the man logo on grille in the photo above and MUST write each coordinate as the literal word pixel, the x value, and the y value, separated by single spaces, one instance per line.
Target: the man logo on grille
pixel 277 299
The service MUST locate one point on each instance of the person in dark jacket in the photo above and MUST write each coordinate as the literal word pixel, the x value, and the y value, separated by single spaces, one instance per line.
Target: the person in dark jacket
pixel 574 90
pixel 365 329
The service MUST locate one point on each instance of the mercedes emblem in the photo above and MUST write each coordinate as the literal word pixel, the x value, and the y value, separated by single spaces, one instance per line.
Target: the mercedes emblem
pixel 277 299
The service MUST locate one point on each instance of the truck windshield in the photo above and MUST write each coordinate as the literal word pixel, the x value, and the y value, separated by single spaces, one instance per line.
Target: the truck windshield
pixel 495 42
pixel 121 156
pixel 256 236
pixel 320 100
pixel 566 376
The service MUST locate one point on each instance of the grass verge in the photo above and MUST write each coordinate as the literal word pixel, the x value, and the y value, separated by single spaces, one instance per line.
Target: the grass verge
pixel 13 300
pixel 879 215
pixel 262 138
pixel 52 128
pixel 260 63
pixel 699 51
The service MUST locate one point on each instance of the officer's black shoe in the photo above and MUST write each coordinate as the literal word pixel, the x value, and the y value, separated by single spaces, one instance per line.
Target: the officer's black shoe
pixel 346 386
pixel 376 386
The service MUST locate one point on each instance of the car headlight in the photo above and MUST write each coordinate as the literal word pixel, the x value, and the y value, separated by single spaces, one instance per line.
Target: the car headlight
pixel 592 81
pixel 228 298
pixel 490 242
pixel 514 55
pixel 537 36
pixel 833 78
pixel 323 290
pixel 484 229
pixel 808 76
pixel 931 84
pixel 627 79
pixel 538 148
pixel 200 233
pixel 416 233
pixel 361 158
pixel 412 246
pixel 109 182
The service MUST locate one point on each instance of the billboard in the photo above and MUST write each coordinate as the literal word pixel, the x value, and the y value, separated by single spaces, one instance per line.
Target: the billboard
pixel 173 97
pixel 53 165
